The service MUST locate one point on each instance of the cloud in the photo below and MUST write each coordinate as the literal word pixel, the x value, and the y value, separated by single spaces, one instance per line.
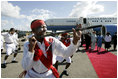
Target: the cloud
pixel 41 11
pixel 8 10
pixel 5 24
pixel 85 8
pixel 36 14
pixel 40 14
pixel 110 15
pixel 24 27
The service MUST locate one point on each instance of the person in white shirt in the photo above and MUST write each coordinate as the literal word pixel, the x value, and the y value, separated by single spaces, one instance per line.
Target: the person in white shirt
pixel 10 46
pixel 2 42
pixel 66 40
pixel 107 41
pixel 17 46
pixel 16 38
pixel 38 52
pixel 93 40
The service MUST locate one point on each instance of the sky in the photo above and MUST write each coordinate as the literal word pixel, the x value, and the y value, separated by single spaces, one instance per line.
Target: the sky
pixel 19 14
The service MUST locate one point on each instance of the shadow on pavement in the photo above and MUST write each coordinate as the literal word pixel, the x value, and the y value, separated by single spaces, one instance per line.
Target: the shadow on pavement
pixel 82 51
pixel 62 63
pixel 61 75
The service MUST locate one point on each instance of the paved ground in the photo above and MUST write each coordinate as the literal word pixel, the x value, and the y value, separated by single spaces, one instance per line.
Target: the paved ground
pixel 81 66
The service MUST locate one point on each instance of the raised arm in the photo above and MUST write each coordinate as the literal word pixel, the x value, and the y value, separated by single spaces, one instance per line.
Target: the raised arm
pixel 27 61
pixel 62 50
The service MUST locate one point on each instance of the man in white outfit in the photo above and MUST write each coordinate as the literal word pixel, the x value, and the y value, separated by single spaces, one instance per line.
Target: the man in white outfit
pixel 93 40
pixel 16 46
pixel 2 42
pixel 38 52
pixel 10 46
pixel 66 40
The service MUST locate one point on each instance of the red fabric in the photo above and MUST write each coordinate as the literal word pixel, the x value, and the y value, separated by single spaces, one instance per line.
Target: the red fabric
pixel 37 23
pixel 66 42
pixel 105 64
pixel 64 34
pixel 54 70
pixel 47 61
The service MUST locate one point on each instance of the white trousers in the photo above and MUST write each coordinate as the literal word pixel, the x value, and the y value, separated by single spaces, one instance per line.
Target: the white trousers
pixel 2 45
pixel 60 59
pixel 93 44
pixel 10 48
pixel 32 74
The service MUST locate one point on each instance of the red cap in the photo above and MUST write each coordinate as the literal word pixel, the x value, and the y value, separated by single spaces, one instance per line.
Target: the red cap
pixel 64 34
pixel 37 23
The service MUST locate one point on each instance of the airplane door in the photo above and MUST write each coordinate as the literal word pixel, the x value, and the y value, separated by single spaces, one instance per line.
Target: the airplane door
pixel 84 20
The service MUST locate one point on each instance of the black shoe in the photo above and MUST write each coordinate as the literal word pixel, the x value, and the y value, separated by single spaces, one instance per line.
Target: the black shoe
pixel 14 61
pixel 66 73
pixel 4 65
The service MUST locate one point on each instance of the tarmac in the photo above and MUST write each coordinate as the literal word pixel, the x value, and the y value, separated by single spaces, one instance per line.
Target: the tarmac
pixel 81 66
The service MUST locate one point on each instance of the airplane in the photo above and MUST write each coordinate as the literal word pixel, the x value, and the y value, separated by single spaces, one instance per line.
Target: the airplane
pixel 61 24
pixel 111 28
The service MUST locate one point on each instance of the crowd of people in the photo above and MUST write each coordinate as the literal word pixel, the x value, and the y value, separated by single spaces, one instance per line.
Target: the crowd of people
pixel 41 55
pixel 92 39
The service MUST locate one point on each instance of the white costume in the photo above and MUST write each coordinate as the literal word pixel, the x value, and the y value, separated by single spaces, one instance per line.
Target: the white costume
pixel 93 40
pixel 16 40
pixel 2 41
pixel 58 48
pixel 68 59
pixel 9 40
pixel 60 58
pixel 108 38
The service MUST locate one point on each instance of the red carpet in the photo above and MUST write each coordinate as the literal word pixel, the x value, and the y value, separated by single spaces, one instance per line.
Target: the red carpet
pixel 105 64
